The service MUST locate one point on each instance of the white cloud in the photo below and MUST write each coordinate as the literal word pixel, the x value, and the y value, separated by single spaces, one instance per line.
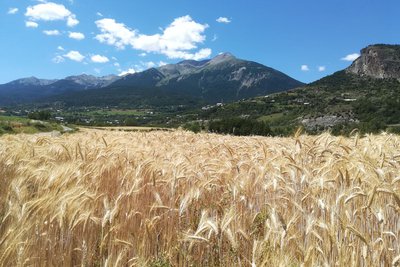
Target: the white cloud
pixel 31 24
pixel 351 57
pixel 52 32
pixel 215 38
pixel 58 59
pixel 176 41
pixel 12 11
pixel 116 64
pixel 99 14
pixel 142 54
pixel 321 68
pixel 114 33
pixel 201 54
pixel 99 59
pixel 223 20
pixel 126 72
pixel 50 12
pixel 76 35
pixel 60 48
pixel 304 68
pixel 162 63
pixel 72 21
pixel 75 56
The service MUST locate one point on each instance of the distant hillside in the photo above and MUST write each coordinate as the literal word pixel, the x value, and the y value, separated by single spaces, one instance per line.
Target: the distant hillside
pixel 23 90
pixel 32 89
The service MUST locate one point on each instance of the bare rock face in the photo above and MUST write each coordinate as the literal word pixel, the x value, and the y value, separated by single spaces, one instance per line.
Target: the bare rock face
pixel 327 121
pixel 378 61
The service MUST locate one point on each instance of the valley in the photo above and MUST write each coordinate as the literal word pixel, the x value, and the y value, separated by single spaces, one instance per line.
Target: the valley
pixel 226 93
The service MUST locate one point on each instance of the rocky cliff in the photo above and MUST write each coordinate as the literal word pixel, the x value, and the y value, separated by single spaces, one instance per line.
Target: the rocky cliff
pixel 378 61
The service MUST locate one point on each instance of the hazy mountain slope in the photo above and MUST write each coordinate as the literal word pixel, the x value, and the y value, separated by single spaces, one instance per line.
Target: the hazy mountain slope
pixel 28 90
pixel 22 90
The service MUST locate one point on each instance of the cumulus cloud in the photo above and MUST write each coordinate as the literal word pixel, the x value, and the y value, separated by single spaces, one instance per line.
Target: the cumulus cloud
pixel 201 54
pixel 60 48
pixel 52 32
pixel 176 41
pixel 72 21
pixel 31 24
pixel 304 68
pixel 114 33
pixel 76 35
pixel 75 56
pixel 321 68
pixel 99 59
pixel 126 72
pixel 351 57
pixel 223 20
pixel 50 12
pixel 12 11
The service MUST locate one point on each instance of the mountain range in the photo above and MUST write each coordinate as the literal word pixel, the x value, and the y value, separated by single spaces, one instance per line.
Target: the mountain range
pixel 32 89
pixel 223 78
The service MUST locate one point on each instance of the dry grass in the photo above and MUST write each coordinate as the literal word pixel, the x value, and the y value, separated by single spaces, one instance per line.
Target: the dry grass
pixel 99 198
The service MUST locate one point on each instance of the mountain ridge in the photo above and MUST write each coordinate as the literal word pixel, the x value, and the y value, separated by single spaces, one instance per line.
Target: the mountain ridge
pixel 32 89
pixel 223 77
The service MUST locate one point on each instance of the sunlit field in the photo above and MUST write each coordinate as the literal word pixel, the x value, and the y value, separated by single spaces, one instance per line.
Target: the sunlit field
pixel 99 198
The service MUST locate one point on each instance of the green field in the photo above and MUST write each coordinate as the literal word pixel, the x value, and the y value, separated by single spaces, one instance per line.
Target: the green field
pixel 13 124
pixel 271 117
pixel 118 112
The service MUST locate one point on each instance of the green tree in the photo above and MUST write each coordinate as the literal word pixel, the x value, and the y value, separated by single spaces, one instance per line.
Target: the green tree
pixel 42 115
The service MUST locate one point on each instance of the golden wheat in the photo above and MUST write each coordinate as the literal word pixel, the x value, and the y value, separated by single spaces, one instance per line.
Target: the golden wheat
pixel 98 198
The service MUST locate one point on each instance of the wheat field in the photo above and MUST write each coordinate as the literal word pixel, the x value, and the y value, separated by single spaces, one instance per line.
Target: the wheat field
pixel 161 199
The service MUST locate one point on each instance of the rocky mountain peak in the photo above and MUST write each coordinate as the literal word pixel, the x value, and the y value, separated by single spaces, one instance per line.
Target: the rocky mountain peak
pixel 92 81
pixel 378 61
pixel 193 63
pixel 32 81
pixel 223 57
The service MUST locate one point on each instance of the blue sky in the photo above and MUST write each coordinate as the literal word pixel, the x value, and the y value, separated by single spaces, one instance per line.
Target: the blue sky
pixel 305 39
